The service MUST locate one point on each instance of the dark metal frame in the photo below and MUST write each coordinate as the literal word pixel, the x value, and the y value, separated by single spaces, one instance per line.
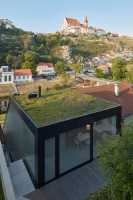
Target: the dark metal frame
pixel 43 133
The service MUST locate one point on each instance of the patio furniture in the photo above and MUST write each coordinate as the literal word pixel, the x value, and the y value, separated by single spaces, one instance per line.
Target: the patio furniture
pixel 82 137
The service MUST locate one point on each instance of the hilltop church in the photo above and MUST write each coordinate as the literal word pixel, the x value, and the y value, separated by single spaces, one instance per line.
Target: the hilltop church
pixel 74 26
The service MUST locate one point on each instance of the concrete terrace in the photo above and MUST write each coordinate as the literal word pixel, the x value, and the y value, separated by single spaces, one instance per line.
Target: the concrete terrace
pixel 74 186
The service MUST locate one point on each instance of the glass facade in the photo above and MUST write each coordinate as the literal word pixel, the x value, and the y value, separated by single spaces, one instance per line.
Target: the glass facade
pixel 49 159
pixel 103 128
pixel 20 140
pixel 74 148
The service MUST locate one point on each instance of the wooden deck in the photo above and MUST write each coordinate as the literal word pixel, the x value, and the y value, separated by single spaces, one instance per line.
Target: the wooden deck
pixel 74 186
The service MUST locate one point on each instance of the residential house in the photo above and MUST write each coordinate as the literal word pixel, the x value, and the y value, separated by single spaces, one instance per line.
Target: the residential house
pixel 23 75
pixel 45 69
pixel 6 75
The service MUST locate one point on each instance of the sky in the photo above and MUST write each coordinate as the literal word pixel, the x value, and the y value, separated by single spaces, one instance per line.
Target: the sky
pixel 47 15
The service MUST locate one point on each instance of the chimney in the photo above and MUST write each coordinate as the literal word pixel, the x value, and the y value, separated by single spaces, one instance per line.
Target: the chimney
pixel 116 89
pixel 39 91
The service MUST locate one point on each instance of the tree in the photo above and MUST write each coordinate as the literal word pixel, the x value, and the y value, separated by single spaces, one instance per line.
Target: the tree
pixel 100 73
pixel 11 60
pixel 30 60
pixel 76 67
pixel 119 69
pixel 65 79
pixel 129 74
pixel 60 68
pixel 116 158
pixel 26 40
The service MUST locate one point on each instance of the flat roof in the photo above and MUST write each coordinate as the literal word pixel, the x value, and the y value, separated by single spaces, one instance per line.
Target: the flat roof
pixel 58 105
pixel 125 99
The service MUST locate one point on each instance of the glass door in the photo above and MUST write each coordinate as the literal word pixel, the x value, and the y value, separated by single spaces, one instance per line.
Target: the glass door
pixel 49 161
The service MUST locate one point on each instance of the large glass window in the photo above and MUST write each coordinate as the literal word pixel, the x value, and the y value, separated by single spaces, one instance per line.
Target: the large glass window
pixel 10 78
pixel 20 140
pixel 102 129
pixel 74 148
pixel 5 78
pixel 49 159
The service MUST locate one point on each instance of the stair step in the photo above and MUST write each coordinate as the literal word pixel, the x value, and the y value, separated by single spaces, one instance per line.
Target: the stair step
pixel 21 180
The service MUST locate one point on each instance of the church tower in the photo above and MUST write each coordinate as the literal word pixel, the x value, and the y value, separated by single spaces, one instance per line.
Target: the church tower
pixel 86 24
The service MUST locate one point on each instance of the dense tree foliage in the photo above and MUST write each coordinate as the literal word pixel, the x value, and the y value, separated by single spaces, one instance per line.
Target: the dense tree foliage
pixel 116 158
pixel 19 48
pixel 129 74
pixel 103 194
pixel 76 67
pixel 119 69
pixel 100 73
pixel 60 68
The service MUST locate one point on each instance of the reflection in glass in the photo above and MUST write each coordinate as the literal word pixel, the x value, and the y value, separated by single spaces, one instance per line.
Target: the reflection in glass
pixel 102 129
pixel 74 148
pixel 49 159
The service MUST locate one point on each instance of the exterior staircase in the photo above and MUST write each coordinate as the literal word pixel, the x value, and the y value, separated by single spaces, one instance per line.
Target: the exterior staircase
pixel 20 178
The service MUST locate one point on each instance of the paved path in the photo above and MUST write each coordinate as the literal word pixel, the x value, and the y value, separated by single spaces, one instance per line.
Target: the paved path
pixel 74 186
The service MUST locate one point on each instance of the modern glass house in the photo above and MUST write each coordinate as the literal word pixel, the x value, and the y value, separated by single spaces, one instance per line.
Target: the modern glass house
pixel 58 132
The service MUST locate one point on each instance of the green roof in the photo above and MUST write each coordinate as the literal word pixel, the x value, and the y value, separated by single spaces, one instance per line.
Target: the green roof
pixel 60 105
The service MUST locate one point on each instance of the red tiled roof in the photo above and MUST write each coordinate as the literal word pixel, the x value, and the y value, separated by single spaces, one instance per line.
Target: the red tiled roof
pixel 44 65
pixel 19 72
pixel 72 21
pixel 125 99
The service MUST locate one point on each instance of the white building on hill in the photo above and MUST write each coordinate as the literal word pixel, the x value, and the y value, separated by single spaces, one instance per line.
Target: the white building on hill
pixel 73 26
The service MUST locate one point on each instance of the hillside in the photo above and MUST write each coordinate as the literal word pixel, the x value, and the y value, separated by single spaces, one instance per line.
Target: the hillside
pixel 20 48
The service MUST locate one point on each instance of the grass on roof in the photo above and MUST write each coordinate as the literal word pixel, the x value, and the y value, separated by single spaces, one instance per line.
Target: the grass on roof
pixel 57 105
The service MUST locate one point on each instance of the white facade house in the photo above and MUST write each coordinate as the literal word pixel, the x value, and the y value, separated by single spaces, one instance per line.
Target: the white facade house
pixel 6 75
pixel 23 75
pixel 73 26
pixel 46 69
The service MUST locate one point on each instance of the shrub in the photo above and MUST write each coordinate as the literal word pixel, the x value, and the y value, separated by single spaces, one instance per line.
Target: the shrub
pixel 103 194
